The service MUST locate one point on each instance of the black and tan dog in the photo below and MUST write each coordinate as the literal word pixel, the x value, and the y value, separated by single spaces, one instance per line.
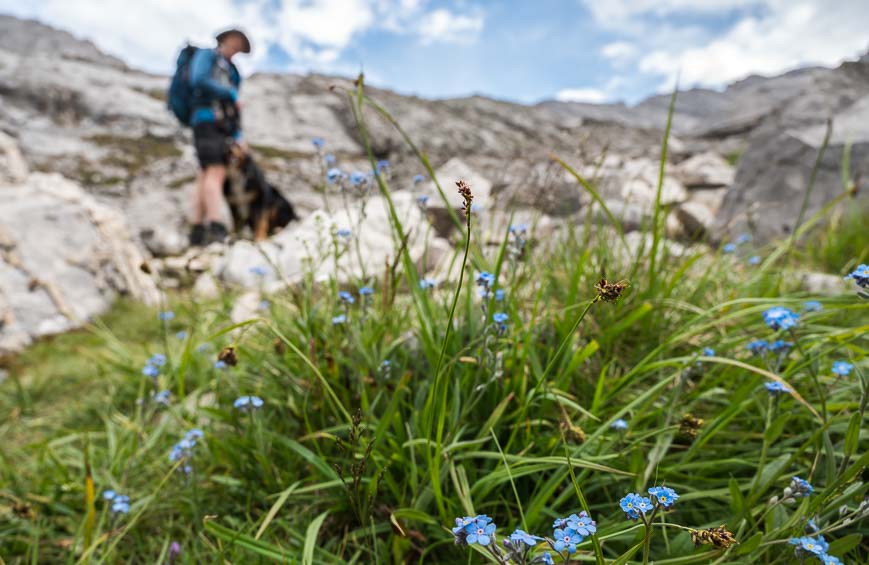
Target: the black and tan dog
pixel 252 201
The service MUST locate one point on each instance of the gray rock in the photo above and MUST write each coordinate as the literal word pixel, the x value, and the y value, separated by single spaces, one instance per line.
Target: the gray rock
pixel 696 216
pixel 705 170
pixel 64 258
pixel 773 178
pixel 823 284
pixel 12 165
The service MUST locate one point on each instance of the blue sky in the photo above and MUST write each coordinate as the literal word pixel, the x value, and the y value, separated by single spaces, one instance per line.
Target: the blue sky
pixel 584 50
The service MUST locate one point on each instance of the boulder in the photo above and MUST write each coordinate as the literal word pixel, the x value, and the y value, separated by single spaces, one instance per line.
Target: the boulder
pixel 705 170
pixel 308 246
pixel 823 284
pixel 696 216
pixel 64 258
pixel 635 181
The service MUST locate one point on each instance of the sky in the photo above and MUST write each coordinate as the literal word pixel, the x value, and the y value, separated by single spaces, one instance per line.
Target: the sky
pixel 519 50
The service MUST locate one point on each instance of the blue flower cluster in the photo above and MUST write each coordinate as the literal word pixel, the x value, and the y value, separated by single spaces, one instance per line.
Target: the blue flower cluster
pixel 570 531
pixel 485 281
pixel 780 346
pixel 775 388
pixel 335 175
pixel 636 505
pixel 183 450
pixel 500 319
pixel 758 346
pixel 358 178
pixel 620 425
pixel 665 496
pixel 120 503
pixel 800 488
pixel 166 316
pixel 162 397
pixel 426 284
pixel 860 275
pixel 781 318
pixel 814 547
pixel 567 534
pixel 346 297
pixel 842 368
pixel 339 319
pixel 478 530
pixel 248 402
pixel 152 366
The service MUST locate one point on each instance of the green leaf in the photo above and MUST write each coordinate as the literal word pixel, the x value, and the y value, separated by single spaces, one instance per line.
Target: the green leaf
pixel 852 437
pixel 775 429
pixel 311 538
pixel 750 544
pixel 274 509
pixel 244 541
pixel 845 544
pixel 737 502
pixel 772 470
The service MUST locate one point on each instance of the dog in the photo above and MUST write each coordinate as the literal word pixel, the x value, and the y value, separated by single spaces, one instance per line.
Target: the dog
pixel 253 202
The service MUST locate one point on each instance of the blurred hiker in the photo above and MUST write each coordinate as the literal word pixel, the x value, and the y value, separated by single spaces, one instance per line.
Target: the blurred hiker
pixel 204 95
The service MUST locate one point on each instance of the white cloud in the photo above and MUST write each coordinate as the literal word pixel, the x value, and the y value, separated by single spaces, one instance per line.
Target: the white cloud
pixel 789 35
pixel 770 37
pixel 445 26
pixel 148 33
pixel 591 95
pixel 619 50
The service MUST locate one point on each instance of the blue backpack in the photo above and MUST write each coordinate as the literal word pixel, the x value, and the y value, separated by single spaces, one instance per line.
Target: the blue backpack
pixel 180 95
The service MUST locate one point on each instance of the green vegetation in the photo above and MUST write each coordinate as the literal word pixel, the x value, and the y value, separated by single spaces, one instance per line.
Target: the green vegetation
pixel 135 153
pixel 269 152
pixel 429 403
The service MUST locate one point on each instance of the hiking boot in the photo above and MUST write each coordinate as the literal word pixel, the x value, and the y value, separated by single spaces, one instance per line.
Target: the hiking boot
pixel 197 235
pixel 216 233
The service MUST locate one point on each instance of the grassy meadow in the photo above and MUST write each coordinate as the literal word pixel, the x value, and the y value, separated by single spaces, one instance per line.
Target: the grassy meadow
pixel 402 420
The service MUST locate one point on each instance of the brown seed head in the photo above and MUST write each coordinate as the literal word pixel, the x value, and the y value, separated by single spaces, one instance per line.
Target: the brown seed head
pixel 690 425
pixel 467 197
pixel 572 432
pixel 228 356
pixel 718 537
pixel 610 291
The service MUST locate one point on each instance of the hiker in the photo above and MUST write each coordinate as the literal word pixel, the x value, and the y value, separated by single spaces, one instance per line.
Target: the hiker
pixel 216 123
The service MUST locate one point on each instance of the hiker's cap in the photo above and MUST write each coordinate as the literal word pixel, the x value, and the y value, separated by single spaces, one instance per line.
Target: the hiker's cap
pixel 234 31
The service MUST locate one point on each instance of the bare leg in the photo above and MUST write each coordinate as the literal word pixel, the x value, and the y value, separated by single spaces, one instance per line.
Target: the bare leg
pixel 198 215
pixel 213 192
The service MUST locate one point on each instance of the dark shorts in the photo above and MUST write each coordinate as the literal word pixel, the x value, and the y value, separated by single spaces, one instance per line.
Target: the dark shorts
pixel 212 144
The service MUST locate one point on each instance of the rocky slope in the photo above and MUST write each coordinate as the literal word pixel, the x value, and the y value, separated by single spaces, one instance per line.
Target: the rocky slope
pixel 71 110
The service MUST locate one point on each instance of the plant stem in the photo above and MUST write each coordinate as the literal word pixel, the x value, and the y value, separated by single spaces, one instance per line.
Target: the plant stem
pixel 647 540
